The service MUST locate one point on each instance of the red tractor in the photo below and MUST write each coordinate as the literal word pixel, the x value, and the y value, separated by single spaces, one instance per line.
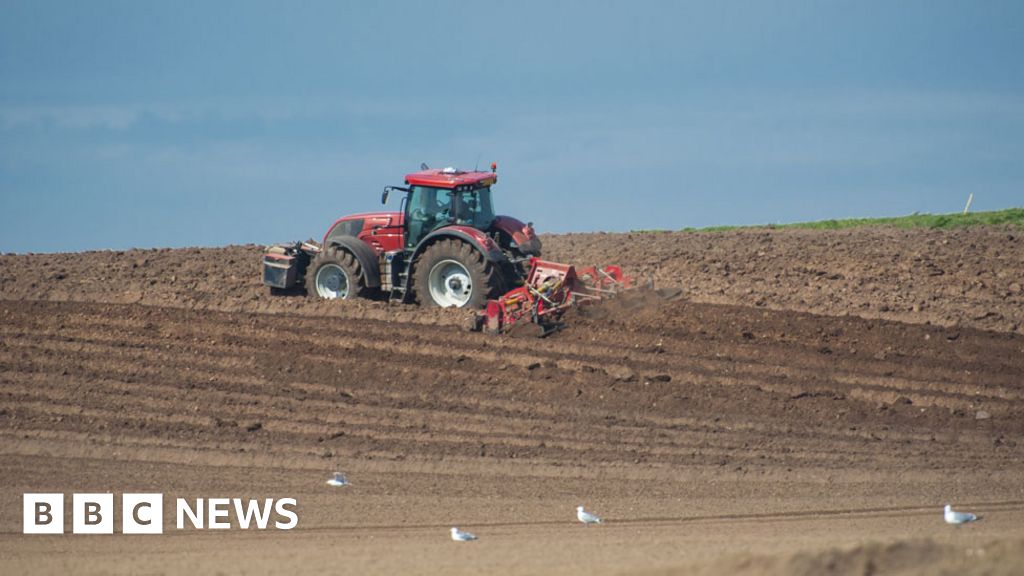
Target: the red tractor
pixel 444 247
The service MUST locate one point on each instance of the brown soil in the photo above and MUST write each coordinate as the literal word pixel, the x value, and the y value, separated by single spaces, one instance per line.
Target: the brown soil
pixel 971 277
pixel 798 428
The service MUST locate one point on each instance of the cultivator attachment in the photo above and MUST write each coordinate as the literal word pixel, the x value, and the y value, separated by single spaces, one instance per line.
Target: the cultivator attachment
pixel 549 291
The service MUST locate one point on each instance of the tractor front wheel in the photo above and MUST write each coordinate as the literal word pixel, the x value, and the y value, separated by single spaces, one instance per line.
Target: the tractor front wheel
pixel 452 273
pixel 335 274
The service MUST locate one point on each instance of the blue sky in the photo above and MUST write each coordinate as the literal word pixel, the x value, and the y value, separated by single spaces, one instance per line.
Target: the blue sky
pixel 207 123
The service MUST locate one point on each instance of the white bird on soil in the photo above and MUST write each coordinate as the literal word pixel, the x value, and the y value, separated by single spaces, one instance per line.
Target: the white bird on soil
pixel 953 517
pixel 338 480
pixel 586 517
pixel 460 536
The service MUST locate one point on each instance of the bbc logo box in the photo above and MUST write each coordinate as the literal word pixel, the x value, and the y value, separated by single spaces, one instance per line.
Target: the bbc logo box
pixel 93 513
pixel 96 513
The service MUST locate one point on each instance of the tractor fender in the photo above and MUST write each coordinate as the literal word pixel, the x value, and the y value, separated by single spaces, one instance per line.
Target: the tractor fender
pixel 366 256
pixel 475 238
pixel 522 234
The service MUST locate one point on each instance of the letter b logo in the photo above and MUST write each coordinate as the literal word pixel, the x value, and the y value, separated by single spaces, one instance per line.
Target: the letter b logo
pixel 43 514
pixel 92 514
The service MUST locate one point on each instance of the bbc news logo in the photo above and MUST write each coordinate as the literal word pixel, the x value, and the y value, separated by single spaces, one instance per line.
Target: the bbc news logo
pixel 144 513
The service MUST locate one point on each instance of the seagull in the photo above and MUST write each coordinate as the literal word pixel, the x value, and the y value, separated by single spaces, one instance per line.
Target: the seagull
pixel 953 517
pixel 460 536
pixel 586 517
pixel 338 480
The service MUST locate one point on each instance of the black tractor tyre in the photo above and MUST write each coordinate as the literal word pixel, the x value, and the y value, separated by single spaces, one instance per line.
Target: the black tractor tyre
pixel 469 287
pixel 340 276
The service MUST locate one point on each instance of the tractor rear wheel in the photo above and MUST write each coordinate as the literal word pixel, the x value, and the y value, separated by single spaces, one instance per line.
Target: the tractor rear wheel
pixel 451 273
pixel 335 274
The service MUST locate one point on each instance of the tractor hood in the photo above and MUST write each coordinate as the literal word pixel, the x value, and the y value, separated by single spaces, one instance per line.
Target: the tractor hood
pixel 354 224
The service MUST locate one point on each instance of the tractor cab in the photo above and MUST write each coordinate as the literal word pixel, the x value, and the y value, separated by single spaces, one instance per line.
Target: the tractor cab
pixel 445 197
pixel 429 208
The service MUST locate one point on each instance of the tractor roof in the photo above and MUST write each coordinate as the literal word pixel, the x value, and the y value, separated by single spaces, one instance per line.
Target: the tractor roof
pixel 450 178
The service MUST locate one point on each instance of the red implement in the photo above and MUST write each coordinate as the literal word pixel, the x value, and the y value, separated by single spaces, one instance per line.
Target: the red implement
pixel 550 289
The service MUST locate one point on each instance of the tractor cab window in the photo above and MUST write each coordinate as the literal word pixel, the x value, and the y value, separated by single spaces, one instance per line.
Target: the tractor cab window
pixel 432 208
pixel 472 208
pixel 424 210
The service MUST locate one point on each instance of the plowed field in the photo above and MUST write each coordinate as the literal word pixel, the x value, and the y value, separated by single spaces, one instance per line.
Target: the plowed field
pixel 784 402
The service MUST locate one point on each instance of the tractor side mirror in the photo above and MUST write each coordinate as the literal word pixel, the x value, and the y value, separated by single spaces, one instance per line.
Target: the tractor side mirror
pixel 384 195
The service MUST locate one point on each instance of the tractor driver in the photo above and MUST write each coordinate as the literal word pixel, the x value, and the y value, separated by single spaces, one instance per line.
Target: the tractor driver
pixel 429 206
